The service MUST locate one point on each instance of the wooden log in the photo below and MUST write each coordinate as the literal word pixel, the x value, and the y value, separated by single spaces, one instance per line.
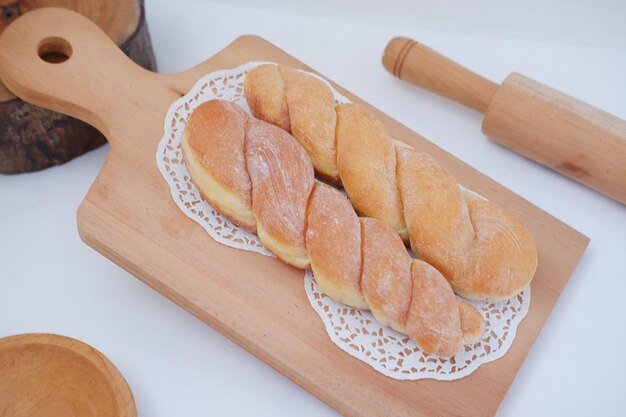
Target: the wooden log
pixel 33 138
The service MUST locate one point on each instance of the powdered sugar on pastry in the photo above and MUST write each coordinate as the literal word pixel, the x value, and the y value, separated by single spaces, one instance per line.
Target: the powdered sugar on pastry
pixel 485 253
pixel 282 178
pixel 333 240
pixel 386 278
pixel 221 177
pixel 362 263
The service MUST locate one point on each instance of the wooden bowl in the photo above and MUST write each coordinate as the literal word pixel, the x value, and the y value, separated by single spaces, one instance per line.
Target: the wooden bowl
pixel 50 375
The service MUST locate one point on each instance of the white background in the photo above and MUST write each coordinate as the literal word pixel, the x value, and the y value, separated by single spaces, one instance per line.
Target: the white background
pixel 177 366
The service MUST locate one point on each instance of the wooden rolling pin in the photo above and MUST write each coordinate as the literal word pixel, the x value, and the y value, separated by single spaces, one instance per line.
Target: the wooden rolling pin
pixel 552 128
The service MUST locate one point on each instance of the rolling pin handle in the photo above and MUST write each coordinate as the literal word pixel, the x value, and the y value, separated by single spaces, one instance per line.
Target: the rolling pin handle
pixel 425 68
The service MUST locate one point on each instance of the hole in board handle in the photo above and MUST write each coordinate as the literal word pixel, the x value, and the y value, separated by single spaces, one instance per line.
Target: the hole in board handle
pixel 54 50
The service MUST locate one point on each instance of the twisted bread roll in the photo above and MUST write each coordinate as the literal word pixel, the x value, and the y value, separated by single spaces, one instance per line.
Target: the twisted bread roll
pixel 261 178
pixel 483 251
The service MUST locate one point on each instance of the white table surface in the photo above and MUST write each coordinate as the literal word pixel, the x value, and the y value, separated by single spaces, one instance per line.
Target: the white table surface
pixel 177 366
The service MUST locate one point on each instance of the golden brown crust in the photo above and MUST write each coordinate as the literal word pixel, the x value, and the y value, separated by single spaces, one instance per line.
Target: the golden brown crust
pixel 433 320
pixel 362 263
pixel 265 94
pixel 300 104
pixel 502 248
pixel 221 177
pixel 333 240
pixel 434 209
pixel 282 179
pixel 312 116
pixel 367 165
pixel 484 252
pixel 386 276
pixel 472 323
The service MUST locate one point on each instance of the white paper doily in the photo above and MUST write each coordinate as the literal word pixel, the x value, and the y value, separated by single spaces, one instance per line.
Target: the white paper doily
pixel 354 331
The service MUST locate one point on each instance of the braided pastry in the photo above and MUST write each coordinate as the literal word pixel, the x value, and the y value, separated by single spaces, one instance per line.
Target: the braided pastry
pixel 483 251
pixel 260 177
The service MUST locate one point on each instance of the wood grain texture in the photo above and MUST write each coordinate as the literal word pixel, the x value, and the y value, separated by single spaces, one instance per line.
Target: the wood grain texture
pixel 51 375
pixel 34 138
pixel 258 302
pixel 421 66
pixel 558 131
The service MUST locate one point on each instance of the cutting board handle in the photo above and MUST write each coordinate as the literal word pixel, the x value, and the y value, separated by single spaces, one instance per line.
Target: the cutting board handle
pixel 60 60
pixel 428 69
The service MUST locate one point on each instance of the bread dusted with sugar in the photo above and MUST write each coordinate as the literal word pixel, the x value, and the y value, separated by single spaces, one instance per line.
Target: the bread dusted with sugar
pixel 305 223
pixel 296 102
pixel 282 179
pixel 333 240
pixel 484 252
pixel 367 164
pixel 222 177
pixel 386 276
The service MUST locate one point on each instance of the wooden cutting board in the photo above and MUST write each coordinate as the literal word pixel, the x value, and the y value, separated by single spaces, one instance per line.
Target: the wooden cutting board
pixel 258 302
